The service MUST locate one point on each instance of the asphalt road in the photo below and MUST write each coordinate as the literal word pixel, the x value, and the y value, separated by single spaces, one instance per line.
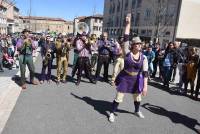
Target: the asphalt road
pixel 66 109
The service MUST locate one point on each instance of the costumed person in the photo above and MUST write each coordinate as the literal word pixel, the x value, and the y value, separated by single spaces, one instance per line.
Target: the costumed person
pixel 62 54
pixel 47 53
pixel 104 56
pixel 25 47
pixel 191 67
pixel 83 63
pixel 133 78
pixel 119 58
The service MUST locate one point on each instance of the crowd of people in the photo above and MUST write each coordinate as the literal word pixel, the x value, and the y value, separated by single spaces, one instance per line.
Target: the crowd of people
pixel 134 62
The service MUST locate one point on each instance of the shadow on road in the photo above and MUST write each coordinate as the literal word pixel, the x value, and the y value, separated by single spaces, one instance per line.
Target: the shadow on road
pixel 172 90
pixel 173 116
pixel 103 107
pixel 17 80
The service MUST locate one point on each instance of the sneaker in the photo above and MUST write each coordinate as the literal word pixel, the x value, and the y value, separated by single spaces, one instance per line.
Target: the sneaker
pixel 77 83
pixel 64 81
pixel 41 82
pixel 23 86
pixel 139 114
pixel 112 83
pixel 57 82
pixel 112 117
pixel 34 82
pixel 49 81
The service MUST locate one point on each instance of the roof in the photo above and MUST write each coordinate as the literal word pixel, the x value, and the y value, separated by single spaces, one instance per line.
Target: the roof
pixel 80 17
pixel 96 16
pixel 69 22
pixel 43 18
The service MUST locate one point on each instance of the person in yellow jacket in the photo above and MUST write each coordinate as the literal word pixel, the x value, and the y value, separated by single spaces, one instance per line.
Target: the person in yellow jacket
pixel 62 57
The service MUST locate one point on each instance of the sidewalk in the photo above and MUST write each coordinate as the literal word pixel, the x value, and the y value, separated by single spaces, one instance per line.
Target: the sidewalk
pixel 9 93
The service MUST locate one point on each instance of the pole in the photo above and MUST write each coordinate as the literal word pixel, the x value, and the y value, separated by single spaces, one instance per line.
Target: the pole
pixel 30 14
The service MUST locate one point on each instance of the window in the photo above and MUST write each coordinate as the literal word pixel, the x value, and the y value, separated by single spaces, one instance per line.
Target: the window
pixel 167 33
pixel 139 3
pixel 143 32
pixel 124 21
pixel 149 32
pixel 117 21
pixel 133 3
pixel 110 10
pixel 118 6
pixel 113 10
pixel 68 27
pixel 126 5
pixel 147 14
pixel 95 28
pixel 137 19
pixel 132 18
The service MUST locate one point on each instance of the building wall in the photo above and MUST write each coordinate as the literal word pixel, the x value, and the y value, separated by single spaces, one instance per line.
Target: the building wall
pixel 95 24
pixel 44 25
pixel 68 27
pixel 189 21
pixel 3 20
pixel 145 16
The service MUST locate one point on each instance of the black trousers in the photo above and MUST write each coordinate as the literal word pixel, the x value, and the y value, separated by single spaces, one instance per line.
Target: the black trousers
pixel 103 60
pixel 44 67
pixel 174 73
pixel 198 85
pixel 83 63
pixel 155 64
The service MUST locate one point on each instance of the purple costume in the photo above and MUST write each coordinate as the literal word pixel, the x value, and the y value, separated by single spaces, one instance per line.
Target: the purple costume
pixel 127 83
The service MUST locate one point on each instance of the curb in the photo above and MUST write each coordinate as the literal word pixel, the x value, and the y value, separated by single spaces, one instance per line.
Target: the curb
pixel 9 97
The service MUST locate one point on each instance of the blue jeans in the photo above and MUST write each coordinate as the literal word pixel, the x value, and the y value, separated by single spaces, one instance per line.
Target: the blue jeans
pixel 167 74
pixel 151 68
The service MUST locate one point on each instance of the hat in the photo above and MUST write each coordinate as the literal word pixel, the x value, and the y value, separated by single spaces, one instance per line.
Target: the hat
pixel 84 34
pixel 136 40
pixel 26 30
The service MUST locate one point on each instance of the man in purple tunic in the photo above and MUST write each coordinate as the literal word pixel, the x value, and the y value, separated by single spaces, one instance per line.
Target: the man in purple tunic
pixel 133 78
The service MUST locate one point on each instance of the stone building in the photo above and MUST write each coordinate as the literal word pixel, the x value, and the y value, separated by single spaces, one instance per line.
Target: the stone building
pixel 94 22
pixel 3 20
pixel 45 24
pixel 154 19
pixel 9 17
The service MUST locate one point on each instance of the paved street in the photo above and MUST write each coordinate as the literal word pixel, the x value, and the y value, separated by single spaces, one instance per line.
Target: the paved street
pixel 66 109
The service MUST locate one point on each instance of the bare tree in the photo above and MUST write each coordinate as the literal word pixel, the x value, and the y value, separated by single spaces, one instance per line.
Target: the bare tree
pixel 159 10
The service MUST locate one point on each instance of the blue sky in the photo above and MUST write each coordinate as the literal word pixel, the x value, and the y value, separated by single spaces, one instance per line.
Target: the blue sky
pixel 66 9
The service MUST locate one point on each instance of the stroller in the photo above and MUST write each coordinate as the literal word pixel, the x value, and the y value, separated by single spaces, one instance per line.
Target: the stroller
pixel 8 60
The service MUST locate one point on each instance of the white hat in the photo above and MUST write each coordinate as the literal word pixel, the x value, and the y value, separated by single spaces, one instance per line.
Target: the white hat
pixel 136 40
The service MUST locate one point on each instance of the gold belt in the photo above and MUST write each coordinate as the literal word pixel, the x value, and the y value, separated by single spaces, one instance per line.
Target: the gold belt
pixel 131 73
